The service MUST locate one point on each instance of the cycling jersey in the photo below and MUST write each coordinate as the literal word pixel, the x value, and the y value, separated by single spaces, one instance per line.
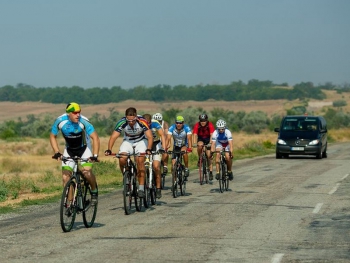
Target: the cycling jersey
pixel 222 138
pixel 76 135
pixel 135 133
pixel 155 126
pixel 180 137
pixel 203 132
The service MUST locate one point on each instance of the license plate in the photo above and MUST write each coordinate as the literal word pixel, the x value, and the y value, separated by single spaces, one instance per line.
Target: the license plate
pixel 297 148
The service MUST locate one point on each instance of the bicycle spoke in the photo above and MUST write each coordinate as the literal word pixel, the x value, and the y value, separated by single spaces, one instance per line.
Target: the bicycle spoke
pixel 89 213
pixel 127 193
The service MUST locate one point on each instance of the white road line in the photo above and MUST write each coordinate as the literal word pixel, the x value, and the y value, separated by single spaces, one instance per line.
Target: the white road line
pixel 277 258
pixel 317 208
pixel 345 176
pixel 335 188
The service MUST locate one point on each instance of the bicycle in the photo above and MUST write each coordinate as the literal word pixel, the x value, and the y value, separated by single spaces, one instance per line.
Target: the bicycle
pixel 203 165
pixel 163 174
pixel 223 178
pixel 178 174
pixel 76 198
pixel 150 181
pixel 130 183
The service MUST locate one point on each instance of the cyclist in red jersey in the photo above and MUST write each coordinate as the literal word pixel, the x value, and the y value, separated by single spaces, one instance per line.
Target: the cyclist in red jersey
pixel 202 132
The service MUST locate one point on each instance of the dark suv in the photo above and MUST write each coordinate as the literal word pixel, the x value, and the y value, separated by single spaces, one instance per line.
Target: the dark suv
pixel 302 135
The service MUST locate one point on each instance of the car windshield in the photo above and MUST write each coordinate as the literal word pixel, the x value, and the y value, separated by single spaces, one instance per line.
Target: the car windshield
pixel 300 124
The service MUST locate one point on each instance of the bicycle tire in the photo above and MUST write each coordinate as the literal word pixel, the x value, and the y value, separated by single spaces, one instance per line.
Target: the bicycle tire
pixel 182 181
pixel 224 175
pixel 138 201
pixel 147 198
pixel 127 192
pixel 68 214
pixel 227 184
pixel 163 180
pixel 204 168
pixel 174 181
pixel 89 212
pixel 201 170
pixel 153 191
pixel 221 185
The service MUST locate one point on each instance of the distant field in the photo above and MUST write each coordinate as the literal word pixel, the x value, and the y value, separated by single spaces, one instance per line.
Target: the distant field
pixel 13 110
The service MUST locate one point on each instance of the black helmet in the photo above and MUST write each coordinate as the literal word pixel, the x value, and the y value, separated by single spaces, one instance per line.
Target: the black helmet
pixel 203 117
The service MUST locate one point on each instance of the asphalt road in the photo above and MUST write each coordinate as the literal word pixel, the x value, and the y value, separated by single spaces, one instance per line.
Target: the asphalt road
pixel 286 210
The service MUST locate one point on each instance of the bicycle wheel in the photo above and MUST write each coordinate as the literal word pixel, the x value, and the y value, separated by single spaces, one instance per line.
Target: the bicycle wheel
pixel 174 181
pixel 68 207
pixel 227 181
pixel 127 192
pixel 147 198
pixel 153 191
pixel 163 180
pixel 204 169
pixel 182 181
pixel 221 185
pixel 89 212
pixel 201 170
pixel 224 175
pixel 138 201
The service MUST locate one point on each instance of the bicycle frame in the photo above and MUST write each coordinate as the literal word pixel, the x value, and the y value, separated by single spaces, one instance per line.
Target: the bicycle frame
pixel 203 164
pixel 223 179
pixel 178 169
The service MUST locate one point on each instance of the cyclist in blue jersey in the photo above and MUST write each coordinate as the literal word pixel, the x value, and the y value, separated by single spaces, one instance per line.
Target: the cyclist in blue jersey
pixel 78 133
pixel 136 133
pixel 182 136
pixel 159 139
pixel 165 125
pixel 222 140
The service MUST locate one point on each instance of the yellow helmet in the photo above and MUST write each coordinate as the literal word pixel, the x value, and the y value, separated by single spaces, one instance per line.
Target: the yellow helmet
pixel 72 107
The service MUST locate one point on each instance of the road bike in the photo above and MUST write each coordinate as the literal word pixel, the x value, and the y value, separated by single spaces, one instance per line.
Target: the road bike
pixel 130 183
pixel 76 198
pixel 203 165
pixel 223 178
pixel 178 174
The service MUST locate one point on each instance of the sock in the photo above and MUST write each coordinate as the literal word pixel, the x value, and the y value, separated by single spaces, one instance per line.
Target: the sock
pixel 94 191
pixel 142 187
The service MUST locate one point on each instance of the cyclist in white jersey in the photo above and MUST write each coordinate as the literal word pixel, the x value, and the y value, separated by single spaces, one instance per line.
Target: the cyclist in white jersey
pixel 222 140
pixel 136 133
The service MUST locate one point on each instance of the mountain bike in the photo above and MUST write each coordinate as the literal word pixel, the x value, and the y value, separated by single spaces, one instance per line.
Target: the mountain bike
pixel 150 185
pixel 130 183
pixel 203 165
pixel 178 174
pixel 223 178
pixel 76 198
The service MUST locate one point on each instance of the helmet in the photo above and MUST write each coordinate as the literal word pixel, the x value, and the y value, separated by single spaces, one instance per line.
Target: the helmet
pixel 179 119
pixel 72 107
pixel 220 124
pixel 203 117
pixel 157 116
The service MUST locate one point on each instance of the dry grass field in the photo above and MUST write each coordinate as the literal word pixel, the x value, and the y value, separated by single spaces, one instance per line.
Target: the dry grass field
pixel 31 159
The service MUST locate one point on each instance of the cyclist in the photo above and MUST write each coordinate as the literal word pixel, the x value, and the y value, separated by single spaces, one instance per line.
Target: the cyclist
pixel 159 139
pixel 136 133
pixel 182 136
pixel 78 133
pixel 222 140
pixel 202 132
pixel 165 125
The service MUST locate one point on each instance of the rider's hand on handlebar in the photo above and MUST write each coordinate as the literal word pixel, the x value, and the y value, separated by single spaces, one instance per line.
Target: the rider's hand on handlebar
pixel 148 151
pixel 189 150
pixel 211 155
pixel 108 152
pixel 57 156
pixel 94 159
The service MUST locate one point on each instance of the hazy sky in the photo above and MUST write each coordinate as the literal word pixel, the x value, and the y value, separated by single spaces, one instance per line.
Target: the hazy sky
pixel 105 43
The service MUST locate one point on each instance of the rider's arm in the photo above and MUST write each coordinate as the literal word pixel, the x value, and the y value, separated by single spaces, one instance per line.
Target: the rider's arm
pixel 189 139
pixel 149 137
pixel 112 139
pixel 96 143
pixel 54 143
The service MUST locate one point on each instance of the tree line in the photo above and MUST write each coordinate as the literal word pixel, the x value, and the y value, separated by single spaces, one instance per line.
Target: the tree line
pixel 235 91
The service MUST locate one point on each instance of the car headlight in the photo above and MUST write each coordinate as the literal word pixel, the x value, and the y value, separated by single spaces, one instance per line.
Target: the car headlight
pixel 280 141
pixel 314 142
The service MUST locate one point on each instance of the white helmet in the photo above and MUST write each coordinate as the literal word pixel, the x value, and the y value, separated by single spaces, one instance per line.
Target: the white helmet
pixel 220 124
pixel 157 116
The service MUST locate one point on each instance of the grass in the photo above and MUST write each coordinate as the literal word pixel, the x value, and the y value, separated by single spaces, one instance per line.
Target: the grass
pixel 27 177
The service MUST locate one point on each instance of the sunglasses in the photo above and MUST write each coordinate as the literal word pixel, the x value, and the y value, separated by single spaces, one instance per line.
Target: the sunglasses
pixel 133 120
pixel 179 122
pixel 75 112
pixel 221 129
